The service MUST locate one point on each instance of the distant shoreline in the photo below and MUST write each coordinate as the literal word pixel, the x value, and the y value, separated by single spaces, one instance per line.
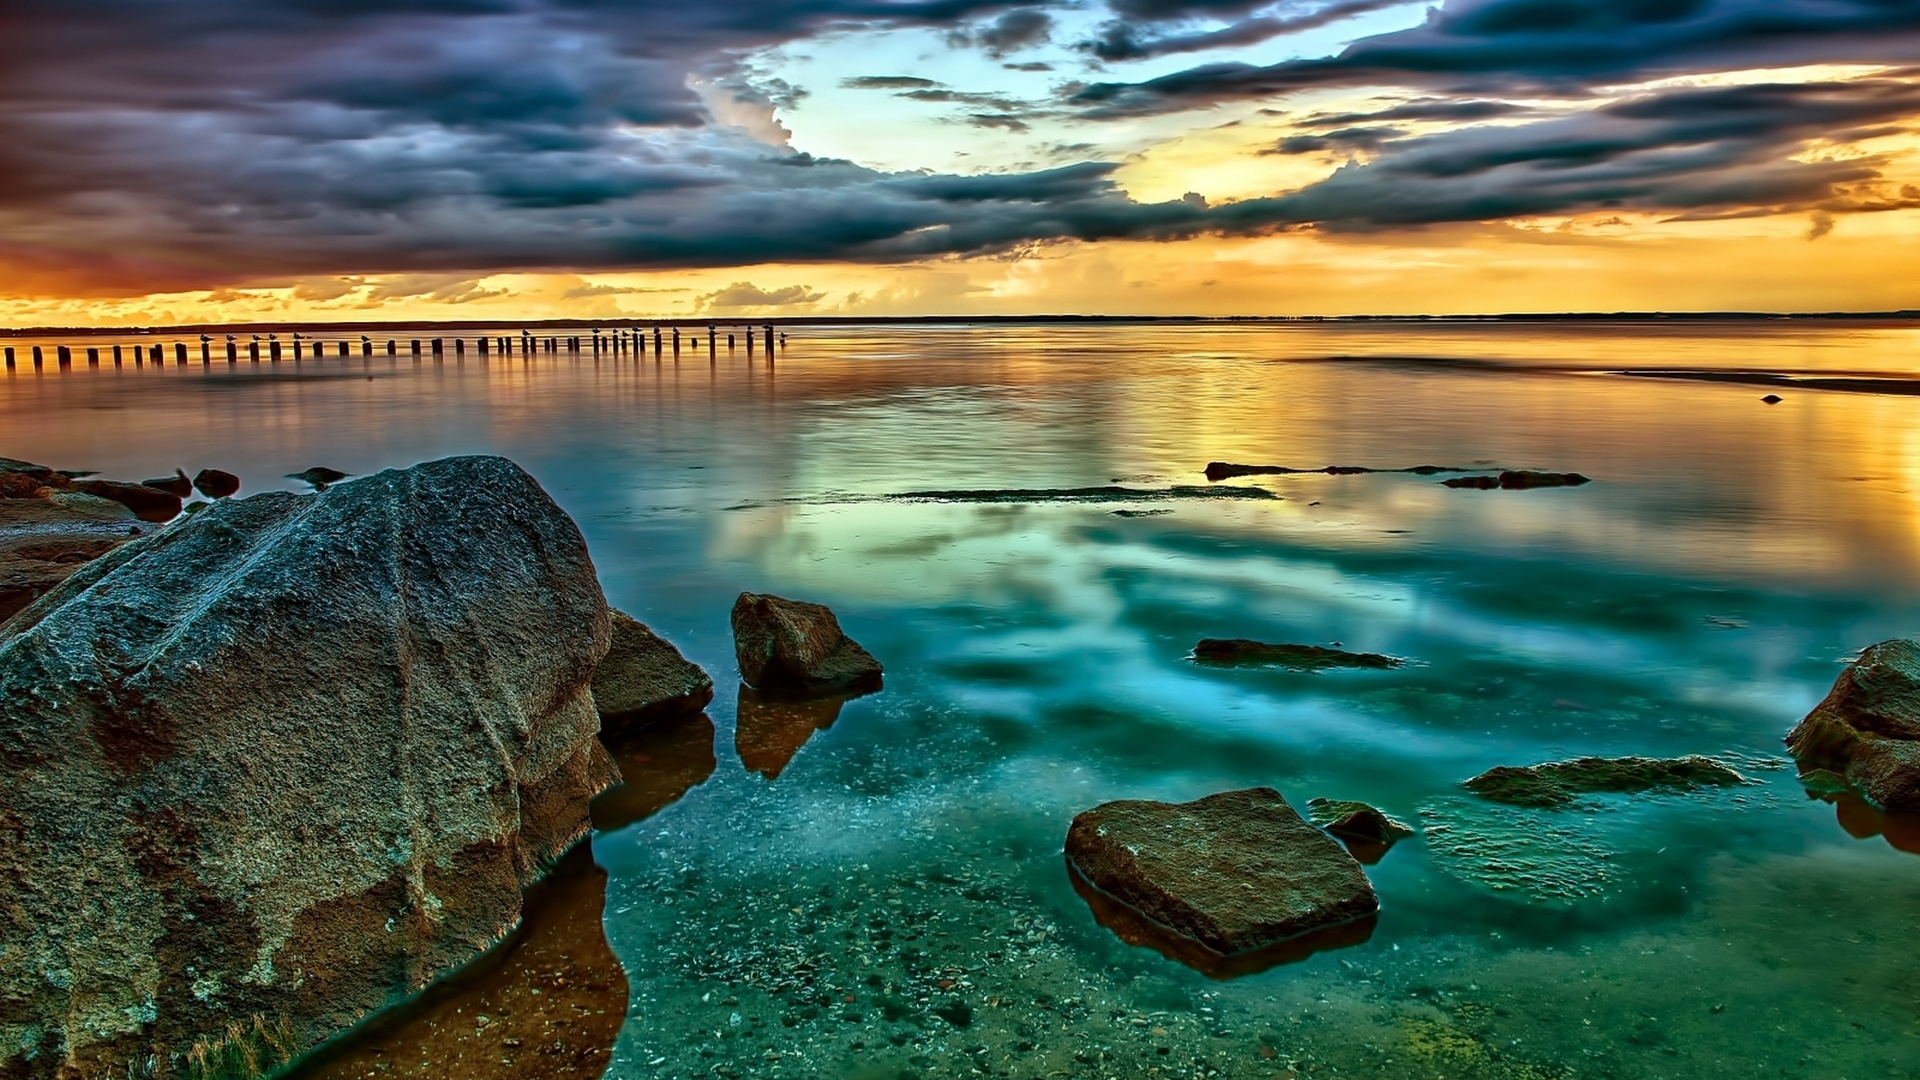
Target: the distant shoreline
pixel 543 325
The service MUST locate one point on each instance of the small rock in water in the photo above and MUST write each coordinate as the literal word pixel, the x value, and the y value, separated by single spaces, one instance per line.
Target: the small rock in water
pixel 794 645
pixel 1556 784
pixel 644 678
pixel 1772 399
pixel 319 476
pixel 215 484
pixel 1356 820
pixel 1869 724
pixel 1234 872
pixel 1824 782
pixel 1519 480
pixel 1224 470
pixel 176 485
pixel 147 503
pixel 1234 652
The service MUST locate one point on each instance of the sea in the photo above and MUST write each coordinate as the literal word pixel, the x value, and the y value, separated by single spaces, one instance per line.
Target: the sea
pixel 1015 518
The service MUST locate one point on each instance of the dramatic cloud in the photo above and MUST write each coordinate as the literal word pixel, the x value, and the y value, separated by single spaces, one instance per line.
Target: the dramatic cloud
pixel 1551 45
pixel 1127 39
pixel 1439 110
pixel 1694 154
pixel 744 295
pixel 1016 30
pixel 1345 139
pixel 151 145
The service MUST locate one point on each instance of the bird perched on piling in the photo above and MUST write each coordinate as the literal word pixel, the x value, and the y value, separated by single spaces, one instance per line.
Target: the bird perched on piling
pixel 320 477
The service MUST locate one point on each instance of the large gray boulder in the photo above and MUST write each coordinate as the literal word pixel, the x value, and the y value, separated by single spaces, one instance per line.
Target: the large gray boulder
pixel 644 679
pixel 1869 725
pixel 1235 872
pixel 286 761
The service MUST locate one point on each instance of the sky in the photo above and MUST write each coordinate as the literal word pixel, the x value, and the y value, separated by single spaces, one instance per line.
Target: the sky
pixel 180 161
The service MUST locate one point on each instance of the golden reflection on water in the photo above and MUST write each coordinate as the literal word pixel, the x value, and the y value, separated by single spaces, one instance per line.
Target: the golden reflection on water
pixel 546 1005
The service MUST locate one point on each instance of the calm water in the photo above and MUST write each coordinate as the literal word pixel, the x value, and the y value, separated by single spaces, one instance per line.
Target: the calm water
pixel 877 890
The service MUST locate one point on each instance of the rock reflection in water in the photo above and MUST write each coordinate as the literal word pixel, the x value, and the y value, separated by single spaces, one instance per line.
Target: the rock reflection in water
pixel 547 1004
pixel 1864 821
pixel 772 728
pixel 1134 928
pixel 658 764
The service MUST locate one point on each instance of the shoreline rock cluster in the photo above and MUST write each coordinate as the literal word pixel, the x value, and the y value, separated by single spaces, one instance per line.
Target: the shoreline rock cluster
pixel 53 521
pixel 248 810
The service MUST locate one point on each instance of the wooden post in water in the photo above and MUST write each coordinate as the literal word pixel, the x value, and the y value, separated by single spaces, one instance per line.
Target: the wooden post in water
pixel 483 346
pixel 93 356
pixel 116 356
pixel 769 341
pixel 253 351
pixel 9 358
pixel 416 346
pixel 439 347
pixel 38 360
pixel 206 350
pixel 393 347
pixel 179 354
pixel 64 356
pixel 713 343
pixel 233 351
pixel 273 350
pixel 460 347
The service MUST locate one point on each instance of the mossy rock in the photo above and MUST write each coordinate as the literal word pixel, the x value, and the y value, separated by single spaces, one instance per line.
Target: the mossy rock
pixel 1558 784
pixel 1357 821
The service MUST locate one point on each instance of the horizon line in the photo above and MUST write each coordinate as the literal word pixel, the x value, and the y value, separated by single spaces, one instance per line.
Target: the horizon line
pixel 668 322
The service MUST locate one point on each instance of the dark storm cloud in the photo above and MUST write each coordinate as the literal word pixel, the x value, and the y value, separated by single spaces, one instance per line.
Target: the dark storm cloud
pixel 1426 109
pixel 146 141
pixel 889 82
pixel 1691 154
pixel 150 144
pixel 1127 39
pixel 1343 140
pixel 1555 45
pixel 1016 30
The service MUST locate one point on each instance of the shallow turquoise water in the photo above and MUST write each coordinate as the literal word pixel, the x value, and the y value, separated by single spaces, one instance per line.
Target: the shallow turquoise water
pixel 881 893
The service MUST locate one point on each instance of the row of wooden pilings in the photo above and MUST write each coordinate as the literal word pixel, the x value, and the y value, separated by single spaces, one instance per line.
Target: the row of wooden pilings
pixel 626 341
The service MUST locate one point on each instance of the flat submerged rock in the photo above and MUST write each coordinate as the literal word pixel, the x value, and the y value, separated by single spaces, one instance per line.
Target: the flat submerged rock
pixel 1105 494
pixel 1227 470
pixel 1241 652
pixel 1560 783
pixel 1234 873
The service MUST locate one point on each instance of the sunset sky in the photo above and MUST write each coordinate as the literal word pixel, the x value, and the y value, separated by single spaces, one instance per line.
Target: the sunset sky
pixel 234 160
